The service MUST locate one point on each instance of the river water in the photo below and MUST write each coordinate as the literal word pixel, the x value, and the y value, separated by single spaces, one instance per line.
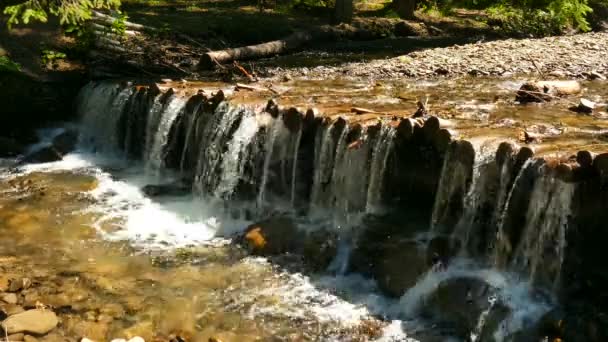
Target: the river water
pixel 115 263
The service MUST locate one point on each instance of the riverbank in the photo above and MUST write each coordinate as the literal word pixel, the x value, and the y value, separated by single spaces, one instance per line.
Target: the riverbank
pixel 575 56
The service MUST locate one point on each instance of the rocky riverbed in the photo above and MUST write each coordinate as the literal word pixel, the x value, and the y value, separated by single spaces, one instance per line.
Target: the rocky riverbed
pixel 575 56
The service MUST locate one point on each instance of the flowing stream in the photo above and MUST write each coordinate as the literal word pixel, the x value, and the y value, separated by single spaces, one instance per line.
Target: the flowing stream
pixel 171 264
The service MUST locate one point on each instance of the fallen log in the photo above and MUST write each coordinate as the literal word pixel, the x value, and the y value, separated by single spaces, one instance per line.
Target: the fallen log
pixel 359 110
pixel 543 91
pixel 210 59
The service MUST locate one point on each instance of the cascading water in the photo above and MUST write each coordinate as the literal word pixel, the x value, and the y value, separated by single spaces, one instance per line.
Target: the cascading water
pixel 100 106
pixel 382 149
pixel 158 134
pixel 234 145
pixel 541 250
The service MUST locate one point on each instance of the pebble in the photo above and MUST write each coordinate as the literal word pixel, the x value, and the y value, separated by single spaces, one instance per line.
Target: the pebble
pixel 84 339
pixel 33 321
pixel 10 298
pixel 29 338
pixel 16 337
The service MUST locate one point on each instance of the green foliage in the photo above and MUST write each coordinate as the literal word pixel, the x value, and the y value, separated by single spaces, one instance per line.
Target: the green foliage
pixel 6 64
pixel 68 11
pixel 119 26
pixel 538 17
pixel 50 57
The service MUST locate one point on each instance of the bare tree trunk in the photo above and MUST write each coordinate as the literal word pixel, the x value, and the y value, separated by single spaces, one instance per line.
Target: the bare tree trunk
pixel 405 8
pixel 343 12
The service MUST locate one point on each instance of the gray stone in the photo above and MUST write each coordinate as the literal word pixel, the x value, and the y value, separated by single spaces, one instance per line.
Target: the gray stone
pixel 33 321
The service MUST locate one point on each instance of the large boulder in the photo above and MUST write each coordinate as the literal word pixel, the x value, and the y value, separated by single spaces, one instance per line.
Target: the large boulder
pixel 44 155
pixel 400 267
pixel 32 321
pixel 459 303
pixel 66 142
pixel 10 148
pixel 272 236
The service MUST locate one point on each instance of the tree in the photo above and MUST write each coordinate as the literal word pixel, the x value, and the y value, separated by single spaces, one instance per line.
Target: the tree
pixel 404 8
pixel 68 11
pixel 343 11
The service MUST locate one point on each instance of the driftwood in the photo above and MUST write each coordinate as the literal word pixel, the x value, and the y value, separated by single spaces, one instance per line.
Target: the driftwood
pixel 543 91
pixel 358 110
pixel 210 59
pixel 288 44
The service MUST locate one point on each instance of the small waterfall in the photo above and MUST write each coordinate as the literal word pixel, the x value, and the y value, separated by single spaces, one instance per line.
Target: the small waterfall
pixel 473 200
pixel 158 132
pixel 233 161
pixel 541 249
pixel 324 145
pixel 211 146
pixel 277 132
pixel 190 134
pixel 294 170
pixel 502 245
pixel 101 106
pixel 454 182
pixel 325 171
pixel 382 149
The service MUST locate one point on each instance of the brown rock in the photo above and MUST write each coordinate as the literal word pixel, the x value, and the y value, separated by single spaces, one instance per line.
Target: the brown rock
pixel 32 321
pixel 29 338
pixel 584 158
pixel 15 337
pixel 293 119
pixel 10 298
pixel 272 236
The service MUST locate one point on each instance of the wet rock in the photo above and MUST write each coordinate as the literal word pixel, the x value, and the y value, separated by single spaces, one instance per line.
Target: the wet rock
pixel 44 155
pixel 584 107
pixel 28 338
pixel 272 108
pixel 12 309
pixel 16 337
pixel 66 142
pixel 96 331
pixel 320 249
pixel 584 158
pixel 10 298
pixel 32 321
pixel 400 267
pixel 600 163
pixel 10 148
pixel 171 189
pixel 293 119
pixel 18 284
pixel 272 236
pixel 564 172
pixel 460 302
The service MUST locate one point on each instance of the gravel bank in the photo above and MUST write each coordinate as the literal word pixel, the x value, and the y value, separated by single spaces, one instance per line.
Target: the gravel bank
pixel 576 56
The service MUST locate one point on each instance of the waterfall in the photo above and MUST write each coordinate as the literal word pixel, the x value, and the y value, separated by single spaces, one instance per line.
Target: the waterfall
pixel 233 161
pixel 325 171
pixel 101 106
pixel 277 131
pixel 542 245
pixel 158 134
pixel 294 169
pixel 382 150
pixel 323 151
pixel 190 131
pixel 475 195
pixel 211 146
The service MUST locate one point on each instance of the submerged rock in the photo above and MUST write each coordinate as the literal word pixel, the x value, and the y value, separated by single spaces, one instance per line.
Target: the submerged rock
pixel 32 321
